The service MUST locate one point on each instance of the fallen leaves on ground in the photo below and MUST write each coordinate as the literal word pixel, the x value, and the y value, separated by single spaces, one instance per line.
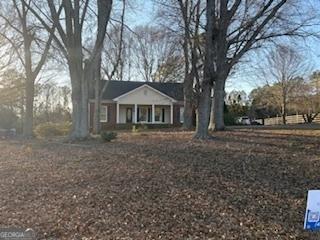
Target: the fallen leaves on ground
pixel 245 184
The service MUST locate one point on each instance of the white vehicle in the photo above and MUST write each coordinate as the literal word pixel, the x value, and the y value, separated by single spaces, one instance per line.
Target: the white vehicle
pixel 244 120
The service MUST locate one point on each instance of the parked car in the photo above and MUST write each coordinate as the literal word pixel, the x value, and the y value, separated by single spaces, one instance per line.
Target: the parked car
pixel 244 120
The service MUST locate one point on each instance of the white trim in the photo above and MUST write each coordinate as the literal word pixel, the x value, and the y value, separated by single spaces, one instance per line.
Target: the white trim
pixel 181 114
pixel 171 114
pixel 144 85
pixel 153 114
pixel 105 107
pixel 89 116
pixel 118 113
pixel 135 113
pixel 102 101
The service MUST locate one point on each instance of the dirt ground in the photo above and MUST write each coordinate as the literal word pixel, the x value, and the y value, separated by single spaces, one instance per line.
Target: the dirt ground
pixel 246 184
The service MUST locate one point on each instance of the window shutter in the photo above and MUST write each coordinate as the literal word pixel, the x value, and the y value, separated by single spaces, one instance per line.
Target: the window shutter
pixel 107 114
pixel 149 115
pixel 163 117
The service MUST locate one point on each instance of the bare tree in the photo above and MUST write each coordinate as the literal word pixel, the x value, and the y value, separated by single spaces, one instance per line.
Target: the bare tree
pixel 52 103
pixel 12 90
pixel 210 68
pixel 170 70
pixel 191 12
pixel 70 40
pixel 233 29
pixel 30 48
pixel 112 62
pixel 184 19
pixel 284 67
pixel 113 53
pixel 152 49
pixel 307 98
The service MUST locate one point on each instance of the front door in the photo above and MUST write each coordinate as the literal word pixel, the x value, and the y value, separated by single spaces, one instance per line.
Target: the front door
pixel 129 115
pixel 144 114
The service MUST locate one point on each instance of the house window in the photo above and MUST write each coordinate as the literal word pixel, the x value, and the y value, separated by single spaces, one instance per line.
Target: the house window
pixel 143 114
pixel 129 115
pixel 104 114
pixel 181 114
pixel 159 114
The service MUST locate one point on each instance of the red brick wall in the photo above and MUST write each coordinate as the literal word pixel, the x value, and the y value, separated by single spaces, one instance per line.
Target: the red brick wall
pixel 176 114
pixel 112 116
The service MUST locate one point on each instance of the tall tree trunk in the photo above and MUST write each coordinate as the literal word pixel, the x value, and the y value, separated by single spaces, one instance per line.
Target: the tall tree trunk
pixel 212 121
pixel 79 101
pixel 31 69
pixel 97 100
pixel 85 107
pixel 188 102
pixel 188 76
pixel 22 111
pixel 284 118
pixel 104 10
pixel 28 117
pixel 203 114
pixel 284 110
pixel 30 79
pixel 210 68
pixel 219 95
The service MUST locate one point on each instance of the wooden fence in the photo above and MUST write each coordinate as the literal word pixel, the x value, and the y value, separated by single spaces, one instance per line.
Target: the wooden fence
pixel 293 119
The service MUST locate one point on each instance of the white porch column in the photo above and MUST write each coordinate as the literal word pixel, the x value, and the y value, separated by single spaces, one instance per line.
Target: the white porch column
pixel 171 115
pixel 153 113
pixel 118 113
pixel 89 114
pixel 135 120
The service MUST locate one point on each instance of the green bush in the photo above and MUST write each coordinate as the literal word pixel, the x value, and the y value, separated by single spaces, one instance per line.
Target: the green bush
pixel 52 129
pixel 108 136
pixel 229 119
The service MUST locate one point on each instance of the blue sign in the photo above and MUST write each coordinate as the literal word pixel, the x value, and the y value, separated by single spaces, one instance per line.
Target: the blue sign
pixel 312 217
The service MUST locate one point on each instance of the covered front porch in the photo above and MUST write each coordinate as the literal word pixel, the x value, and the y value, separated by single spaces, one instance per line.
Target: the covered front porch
pixel 144 114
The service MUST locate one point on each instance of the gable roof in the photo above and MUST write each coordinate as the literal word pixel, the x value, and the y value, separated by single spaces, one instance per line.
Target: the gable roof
pixel 118 88
pixel 146 86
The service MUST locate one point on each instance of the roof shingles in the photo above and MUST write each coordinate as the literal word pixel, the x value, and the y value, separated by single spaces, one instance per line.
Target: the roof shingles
pixel 118 88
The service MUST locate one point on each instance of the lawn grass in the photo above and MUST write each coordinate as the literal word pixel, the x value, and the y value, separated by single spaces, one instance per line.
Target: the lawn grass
pixel 245 184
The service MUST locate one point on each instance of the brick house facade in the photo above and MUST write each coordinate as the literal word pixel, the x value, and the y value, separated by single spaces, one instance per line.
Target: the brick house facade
pixel 130 103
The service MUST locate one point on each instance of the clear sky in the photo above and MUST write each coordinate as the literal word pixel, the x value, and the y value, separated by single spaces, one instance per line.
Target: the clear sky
pixel 246 77
pixel 142 12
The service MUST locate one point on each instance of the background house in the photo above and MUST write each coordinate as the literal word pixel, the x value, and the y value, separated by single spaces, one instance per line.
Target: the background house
pixel 126 102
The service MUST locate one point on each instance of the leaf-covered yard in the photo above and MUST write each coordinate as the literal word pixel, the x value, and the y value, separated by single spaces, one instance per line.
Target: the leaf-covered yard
pixel 246 184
